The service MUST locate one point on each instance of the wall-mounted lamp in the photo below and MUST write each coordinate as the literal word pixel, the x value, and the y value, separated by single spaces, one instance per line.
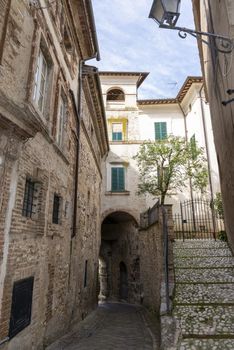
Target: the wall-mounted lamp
pixel 166 14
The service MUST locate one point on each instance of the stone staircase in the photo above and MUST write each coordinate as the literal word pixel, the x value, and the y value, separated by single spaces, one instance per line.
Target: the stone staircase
pixel 204 294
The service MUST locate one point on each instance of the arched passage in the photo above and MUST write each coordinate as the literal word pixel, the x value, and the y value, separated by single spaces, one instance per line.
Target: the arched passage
pixel 123 285
pixel 120 251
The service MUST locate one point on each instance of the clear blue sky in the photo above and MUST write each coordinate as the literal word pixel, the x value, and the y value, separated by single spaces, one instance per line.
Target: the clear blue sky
pixel 130 41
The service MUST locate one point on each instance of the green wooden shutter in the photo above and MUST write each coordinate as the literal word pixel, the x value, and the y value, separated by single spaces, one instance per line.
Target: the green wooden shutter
pixel 114 181
pixel 164 130
pixel 121 179
pixel 117 179
pixel 160 130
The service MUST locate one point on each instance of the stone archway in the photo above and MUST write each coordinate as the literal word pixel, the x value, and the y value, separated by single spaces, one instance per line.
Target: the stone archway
pixel 120 278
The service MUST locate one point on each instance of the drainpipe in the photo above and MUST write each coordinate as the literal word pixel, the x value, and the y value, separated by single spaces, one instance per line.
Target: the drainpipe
pixel 79 117
pixel 208 159
pixel 190 180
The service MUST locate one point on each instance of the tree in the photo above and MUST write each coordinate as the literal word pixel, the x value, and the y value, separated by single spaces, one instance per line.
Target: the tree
pixel 218 205
pixel 166 165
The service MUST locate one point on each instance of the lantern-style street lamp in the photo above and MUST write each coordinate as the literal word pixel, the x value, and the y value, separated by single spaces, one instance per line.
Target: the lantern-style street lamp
pixel 166 14
pixel 165 11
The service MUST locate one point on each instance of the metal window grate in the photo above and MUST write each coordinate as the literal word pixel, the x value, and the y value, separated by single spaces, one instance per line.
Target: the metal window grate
pixel 56 208
pixel 21 307
pixel 28 198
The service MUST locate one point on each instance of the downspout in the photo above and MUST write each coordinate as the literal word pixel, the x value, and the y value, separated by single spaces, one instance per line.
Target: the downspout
pixel 190 180
pixel 79 117
pixel 208 159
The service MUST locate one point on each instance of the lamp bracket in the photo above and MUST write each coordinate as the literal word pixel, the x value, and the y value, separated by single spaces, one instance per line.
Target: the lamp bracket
pixel 220 43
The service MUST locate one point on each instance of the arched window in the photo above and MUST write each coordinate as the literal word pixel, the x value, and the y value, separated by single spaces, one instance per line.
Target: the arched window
pixel 115 95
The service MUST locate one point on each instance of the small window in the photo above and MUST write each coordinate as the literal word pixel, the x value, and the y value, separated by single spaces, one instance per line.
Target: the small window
pixel 40 81
pixel 29 193
pixel 21 306
pixel 117 131
pixel 56 209
pixel 115 95
pixel 86 273
pixel 61 122
pixel 117 179
pixel 160 130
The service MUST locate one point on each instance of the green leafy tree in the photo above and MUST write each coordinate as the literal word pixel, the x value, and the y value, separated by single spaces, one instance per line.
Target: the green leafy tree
pixel 166 165
pixel 218 205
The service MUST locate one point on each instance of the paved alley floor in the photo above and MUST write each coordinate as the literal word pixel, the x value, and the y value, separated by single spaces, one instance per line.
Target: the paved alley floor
pixel 113 326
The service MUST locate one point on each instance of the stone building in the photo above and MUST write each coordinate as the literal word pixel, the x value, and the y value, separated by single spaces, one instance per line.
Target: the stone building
pixel 130 122
pixel 218 17
pixel 52 141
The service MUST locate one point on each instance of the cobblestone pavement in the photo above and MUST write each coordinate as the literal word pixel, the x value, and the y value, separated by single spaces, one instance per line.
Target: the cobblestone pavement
pixel 113 326
pixel 204 295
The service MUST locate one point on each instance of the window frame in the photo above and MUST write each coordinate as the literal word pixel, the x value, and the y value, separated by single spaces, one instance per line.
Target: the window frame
pixel 120 95
pixel 28 201
pixel 118 188
pixel 61 119
pixel 21 289
pixel 56 213
pixel 114 134
pixel 37 93
pixel 162 135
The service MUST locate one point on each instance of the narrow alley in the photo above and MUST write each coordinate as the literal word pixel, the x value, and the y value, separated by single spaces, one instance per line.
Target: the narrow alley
pixel 113 326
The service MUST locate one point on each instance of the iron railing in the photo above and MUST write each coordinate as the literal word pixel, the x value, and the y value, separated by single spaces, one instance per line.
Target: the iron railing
pixel 197 219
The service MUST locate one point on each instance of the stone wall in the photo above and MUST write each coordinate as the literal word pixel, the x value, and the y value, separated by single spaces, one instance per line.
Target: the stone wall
pixel 61 259
pixel 151 243
pixel 219 74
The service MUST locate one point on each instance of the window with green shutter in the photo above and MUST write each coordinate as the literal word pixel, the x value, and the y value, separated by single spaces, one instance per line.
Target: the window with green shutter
pixel 117 131
pixel 117 179
pixel 160 130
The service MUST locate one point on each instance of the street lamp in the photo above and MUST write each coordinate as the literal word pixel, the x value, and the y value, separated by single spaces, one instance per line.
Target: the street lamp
pixel 166 14
pixel 165 11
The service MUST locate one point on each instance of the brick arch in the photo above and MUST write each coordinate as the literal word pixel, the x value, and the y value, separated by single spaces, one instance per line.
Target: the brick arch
pixel 134 214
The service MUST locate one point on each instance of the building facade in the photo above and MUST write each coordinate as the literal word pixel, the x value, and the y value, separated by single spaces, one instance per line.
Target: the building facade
pixel 52 141
pixel 130 122
pixel 219 73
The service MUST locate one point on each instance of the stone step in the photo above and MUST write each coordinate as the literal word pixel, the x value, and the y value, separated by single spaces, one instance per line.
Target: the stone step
pixel 204 252
pixel 204 275
pixel 199 243
pixel 205 320
pixel 207 344
pixel 204 294
pixel 207 262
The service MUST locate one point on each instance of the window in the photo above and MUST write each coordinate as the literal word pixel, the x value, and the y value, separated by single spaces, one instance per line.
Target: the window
pixel 86 273
pixel 21 306
pixel 160 130
pixel 56 209
pixel 117 179
pixel 61 122
pixel 28 198
pixel 40 81
pixel 115 95
pixel 117 131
